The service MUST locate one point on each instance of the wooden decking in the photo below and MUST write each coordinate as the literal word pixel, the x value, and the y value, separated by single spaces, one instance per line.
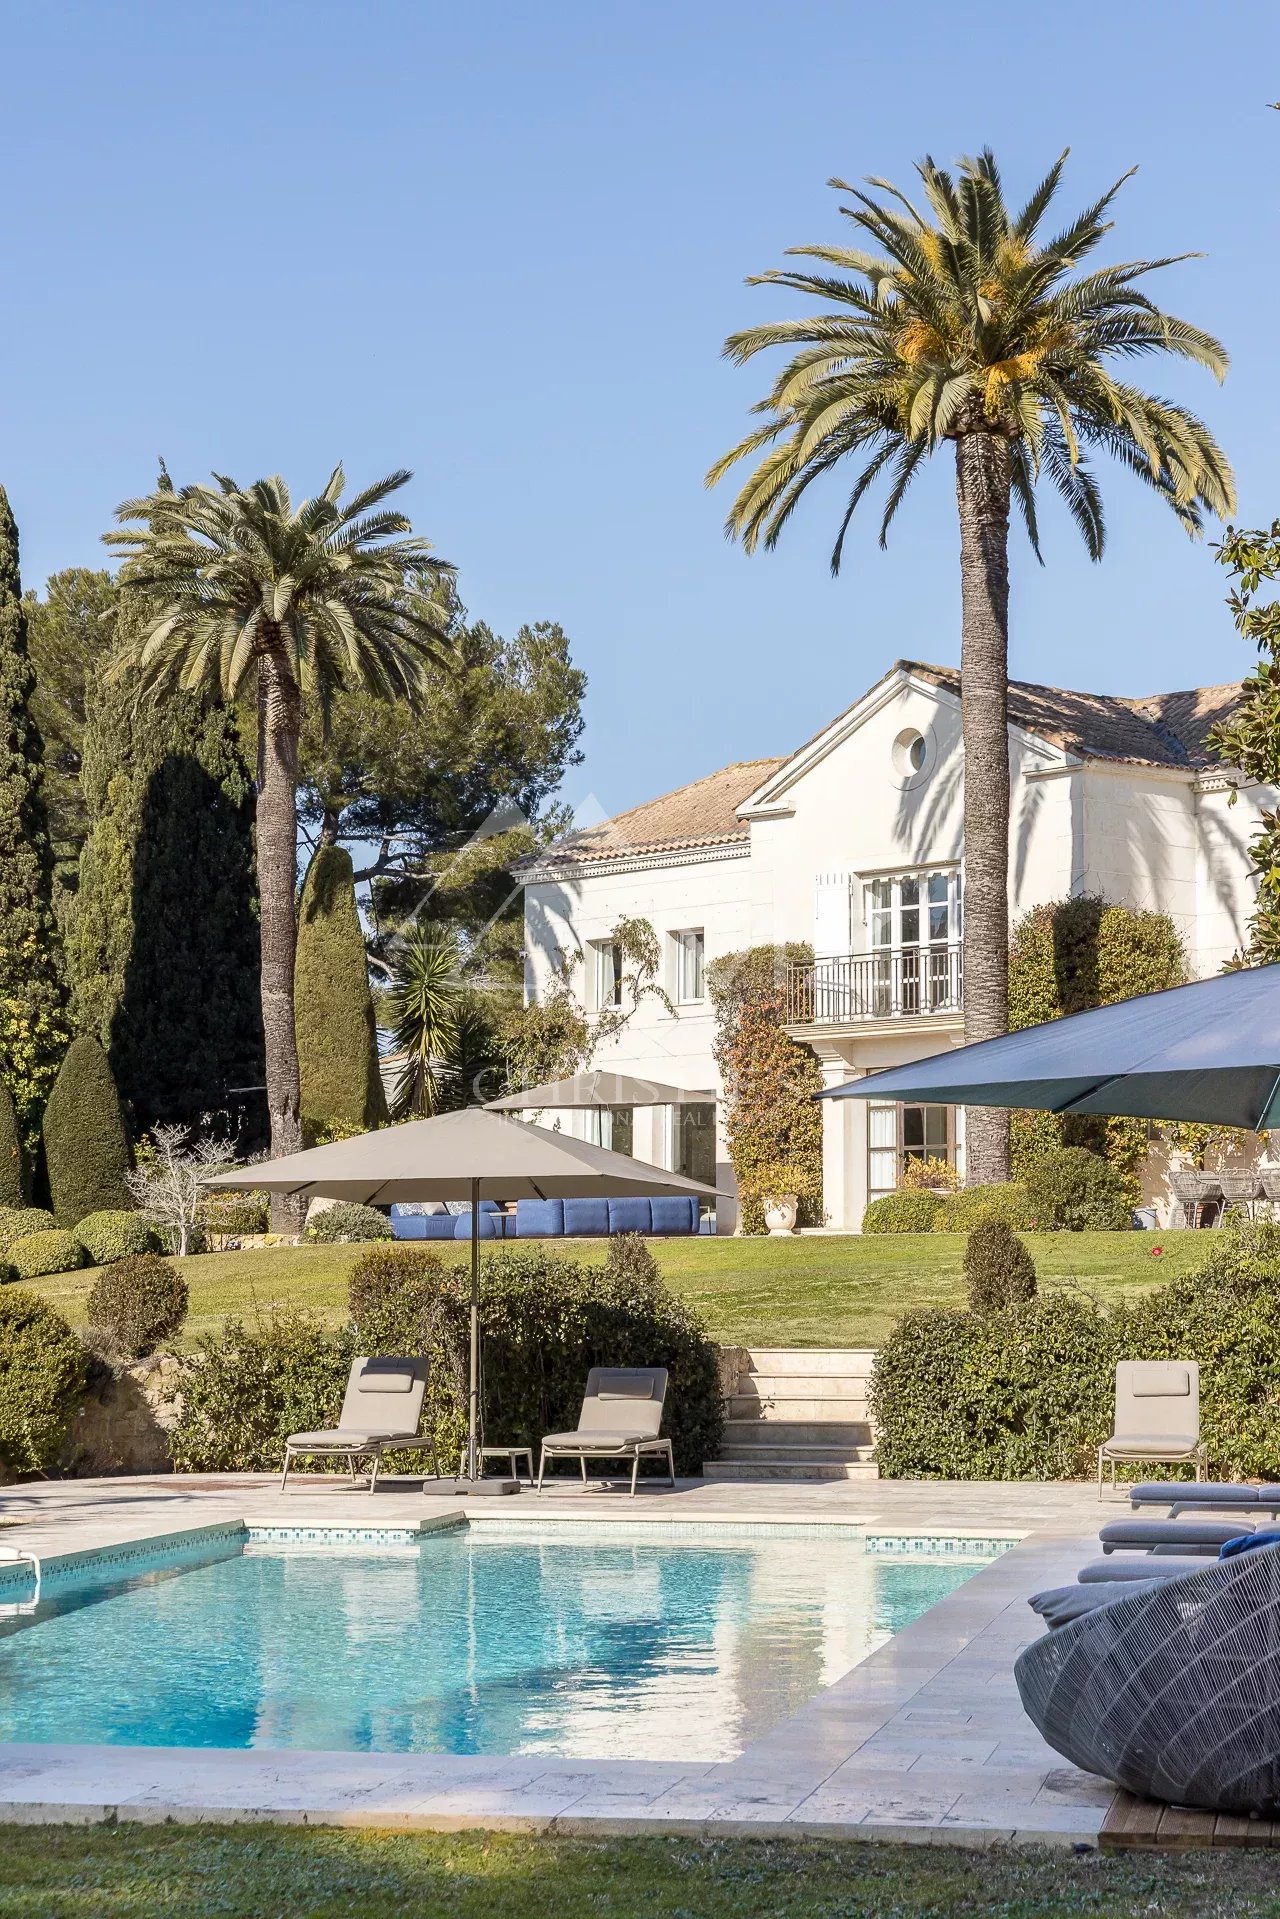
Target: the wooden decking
pixel 1144 1825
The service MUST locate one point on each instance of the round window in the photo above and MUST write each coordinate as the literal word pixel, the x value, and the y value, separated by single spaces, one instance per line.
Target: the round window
pixel 910 751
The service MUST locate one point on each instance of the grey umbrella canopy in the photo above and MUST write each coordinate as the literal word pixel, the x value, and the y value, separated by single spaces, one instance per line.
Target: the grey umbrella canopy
pixel 1207 1052
pixel 597 1089
pixel 463 1155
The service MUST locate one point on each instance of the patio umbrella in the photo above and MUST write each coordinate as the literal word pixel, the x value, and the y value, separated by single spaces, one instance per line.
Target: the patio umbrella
pixel 1205 1052
pixel 598 1089
pixel 460 1156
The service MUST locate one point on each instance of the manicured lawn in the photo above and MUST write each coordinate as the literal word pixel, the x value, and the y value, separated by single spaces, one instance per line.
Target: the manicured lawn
pixel 242 1872
pixel 807 1291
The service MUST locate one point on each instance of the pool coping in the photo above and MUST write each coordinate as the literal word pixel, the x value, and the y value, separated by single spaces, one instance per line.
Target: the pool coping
pixel 922 1740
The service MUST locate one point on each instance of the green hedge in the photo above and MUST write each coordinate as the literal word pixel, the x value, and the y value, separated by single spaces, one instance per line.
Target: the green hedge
pixel 348 1221
pixel 902 1212
pixel 1071 1190
pixel 135 1305
pixel 42 1379
pixel 13 1170
pixel 961 1212
pixel 546 1321
pixel 86 1147
pixel 1029 1392
pixel 17 1221
pixel 116 1235
pixel 41 1254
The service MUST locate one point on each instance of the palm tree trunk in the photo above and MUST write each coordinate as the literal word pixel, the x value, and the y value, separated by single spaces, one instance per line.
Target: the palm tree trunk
pixel 279 727
pixel 983 467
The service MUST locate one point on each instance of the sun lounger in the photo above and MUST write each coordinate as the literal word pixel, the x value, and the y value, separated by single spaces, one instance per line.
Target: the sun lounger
pixel 1170 1535
pixel 1157 1415
pixel 381 1412
pixel 621 1418
pixel 1142 1566
pixel 1206 1496
pixel 1062 1605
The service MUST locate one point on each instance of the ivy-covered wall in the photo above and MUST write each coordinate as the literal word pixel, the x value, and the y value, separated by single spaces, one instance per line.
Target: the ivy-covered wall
pixel 1069 955
pixel 773 1127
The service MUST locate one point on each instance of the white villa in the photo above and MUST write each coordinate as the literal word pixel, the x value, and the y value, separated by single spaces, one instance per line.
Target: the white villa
pixel 853 842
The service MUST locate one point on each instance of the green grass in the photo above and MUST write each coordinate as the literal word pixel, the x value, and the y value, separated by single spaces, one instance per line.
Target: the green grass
pixel 242 1872
pixel 807 1291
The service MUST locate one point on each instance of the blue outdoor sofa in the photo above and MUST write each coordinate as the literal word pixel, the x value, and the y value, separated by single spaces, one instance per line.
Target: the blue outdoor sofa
pixel 664 1217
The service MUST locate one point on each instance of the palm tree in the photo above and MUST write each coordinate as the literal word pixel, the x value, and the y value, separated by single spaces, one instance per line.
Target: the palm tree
pixel 963 327
pixel 237 588
pixel 423 1002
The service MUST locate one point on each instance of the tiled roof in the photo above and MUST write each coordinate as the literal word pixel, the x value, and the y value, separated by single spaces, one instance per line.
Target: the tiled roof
pixel 1165 729
pixel 702 814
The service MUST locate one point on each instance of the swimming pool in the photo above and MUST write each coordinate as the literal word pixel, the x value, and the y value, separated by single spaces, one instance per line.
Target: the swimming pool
pixel 585 1641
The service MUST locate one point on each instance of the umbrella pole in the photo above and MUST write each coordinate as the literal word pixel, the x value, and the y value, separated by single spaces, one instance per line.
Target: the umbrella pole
pixel 473 1417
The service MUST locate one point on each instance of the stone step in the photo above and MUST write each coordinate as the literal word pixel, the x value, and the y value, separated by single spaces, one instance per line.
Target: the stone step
pixel 810 1362
pixel 734 1469
pixel 793 1386
pixel 796 1455
pixel 797 1432
pixel 799 1411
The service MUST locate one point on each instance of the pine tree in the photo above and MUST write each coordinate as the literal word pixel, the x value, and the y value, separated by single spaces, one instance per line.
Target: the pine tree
pixel 162 935
pixel 32 989
pixel 86 1148
pixel 333 1011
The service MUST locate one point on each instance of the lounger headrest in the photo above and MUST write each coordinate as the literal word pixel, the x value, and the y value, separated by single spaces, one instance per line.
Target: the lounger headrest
pixel 626 1386
pixel 385 1376
pixel 1159 1379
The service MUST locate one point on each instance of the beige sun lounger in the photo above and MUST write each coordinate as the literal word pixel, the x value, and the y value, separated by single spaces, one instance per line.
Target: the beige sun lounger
pixel 382 1412
pixel 1157 1416
pixel 621 1418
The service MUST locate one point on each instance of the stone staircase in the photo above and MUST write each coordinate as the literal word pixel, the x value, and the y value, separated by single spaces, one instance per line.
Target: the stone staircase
pixel 797 1413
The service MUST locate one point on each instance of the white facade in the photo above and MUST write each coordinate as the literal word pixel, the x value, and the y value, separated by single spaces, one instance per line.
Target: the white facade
pixel 854 843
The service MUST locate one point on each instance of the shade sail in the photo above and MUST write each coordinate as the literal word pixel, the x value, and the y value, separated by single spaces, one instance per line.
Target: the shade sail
pixel 598 1089
pixel 444 1158
pixel 1208 1052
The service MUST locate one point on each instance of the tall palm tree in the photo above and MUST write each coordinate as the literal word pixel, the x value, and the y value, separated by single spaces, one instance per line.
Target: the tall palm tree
pixel 963 327
pixel 240 589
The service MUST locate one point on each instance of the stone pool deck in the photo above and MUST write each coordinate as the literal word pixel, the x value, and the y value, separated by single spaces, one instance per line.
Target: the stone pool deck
pixel 924 1740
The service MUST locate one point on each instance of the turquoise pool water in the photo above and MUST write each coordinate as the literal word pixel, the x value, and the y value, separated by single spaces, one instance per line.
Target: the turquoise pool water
pixel 591 1643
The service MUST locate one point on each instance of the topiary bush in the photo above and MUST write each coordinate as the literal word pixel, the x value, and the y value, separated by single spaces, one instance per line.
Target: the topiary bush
pixel 960 1212
pixel 998 1269
pixel 905 1211
pixel 226 1215
pixel 341 1081
pixel 85 1144
pixel 253 1385
pixel 116 1235
pixel 40 1254
pixel 1071 1190
pixel 17 1221
pixel 13 1168
pixel 348 1221
pixel 42 1380
pixel 135 1305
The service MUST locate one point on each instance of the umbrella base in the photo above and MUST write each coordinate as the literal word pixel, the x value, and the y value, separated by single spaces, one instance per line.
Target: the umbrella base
pixel 480 1488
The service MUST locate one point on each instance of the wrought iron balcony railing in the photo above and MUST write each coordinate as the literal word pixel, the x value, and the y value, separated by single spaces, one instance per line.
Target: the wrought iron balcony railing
pixel 898 984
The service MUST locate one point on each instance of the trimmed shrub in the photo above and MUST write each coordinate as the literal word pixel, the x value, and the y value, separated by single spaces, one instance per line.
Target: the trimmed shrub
pixel 960 1212
pixel 136 1304
pixel 1024 1393
pixel 393 1296
pixel 905 1211
pixel 232 1213
pixel 17 1221
pixel 253 1385
pixel 1072 1190
pixel 347 1221
pixel 40 1254
pixel 116 1235
pixel 333 1011
pixel 42 1379
pixel 998 1269
pixel 13 1169
pixel 86 1148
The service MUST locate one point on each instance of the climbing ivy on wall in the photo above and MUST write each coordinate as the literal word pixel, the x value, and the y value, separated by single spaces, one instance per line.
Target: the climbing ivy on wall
pixel 771 1121
pixel 1069 955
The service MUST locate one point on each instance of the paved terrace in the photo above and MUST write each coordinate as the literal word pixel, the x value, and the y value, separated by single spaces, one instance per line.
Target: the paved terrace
pixel 924 1740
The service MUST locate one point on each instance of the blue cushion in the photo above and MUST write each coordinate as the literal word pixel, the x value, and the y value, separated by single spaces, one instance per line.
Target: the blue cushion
pixel 491 1224
pixel 586 1218
pixel 423 1225
pixel 675 1214
pixel 630 1216
pixel 539 1218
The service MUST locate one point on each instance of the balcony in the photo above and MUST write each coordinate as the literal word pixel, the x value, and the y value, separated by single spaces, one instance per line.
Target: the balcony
pixel 899 983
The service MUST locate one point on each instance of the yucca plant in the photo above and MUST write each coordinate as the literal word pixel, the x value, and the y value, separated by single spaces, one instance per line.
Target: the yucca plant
pixel 236 588
pixel 963 328
pixel 422 1003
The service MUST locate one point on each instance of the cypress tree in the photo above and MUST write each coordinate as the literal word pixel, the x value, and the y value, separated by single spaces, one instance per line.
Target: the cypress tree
pixel 32 989
pixel 333 1010
pixel 13 1185
pixel 162 935
pixel 86 1148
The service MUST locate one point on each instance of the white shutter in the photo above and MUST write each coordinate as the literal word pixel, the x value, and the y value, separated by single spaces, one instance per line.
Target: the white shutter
pixel 831 928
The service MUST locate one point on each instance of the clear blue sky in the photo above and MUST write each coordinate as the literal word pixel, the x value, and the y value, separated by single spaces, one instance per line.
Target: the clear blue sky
pixel 502 244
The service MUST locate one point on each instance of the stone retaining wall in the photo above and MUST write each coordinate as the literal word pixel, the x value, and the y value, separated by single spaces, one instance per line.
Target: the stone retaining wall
pixel 125 1422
